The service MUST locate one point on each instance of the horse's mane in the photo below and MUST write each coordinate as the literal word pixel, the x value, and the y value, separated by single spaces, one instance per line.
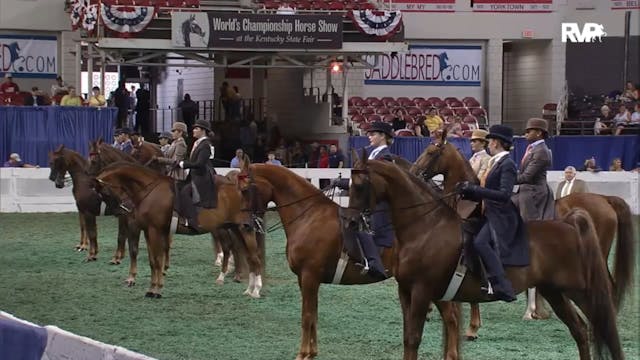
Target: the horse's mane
pixel 119 168
pixel 74 156
pixel 284 172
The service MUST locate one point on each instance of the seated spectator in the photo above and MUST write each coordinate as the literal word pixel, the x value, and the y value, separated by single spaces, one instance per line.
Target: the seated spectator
pixel 323 157
pixel 398 121
pixel 286 9
pixel 164 140
pixel 590 165
pixel 616 165
pixel 236 162
pixel 336 158
pixel 433 121
pixel 622 119
pixel 455 128
pixel 271 159
pixel 8 86
pixel 297 155
pixel 16 161
pixel 60 88
pixel 630 92
pixel 71 99
pixel 606 114
pixel 97 99
pixel 635 117
pixel 36 98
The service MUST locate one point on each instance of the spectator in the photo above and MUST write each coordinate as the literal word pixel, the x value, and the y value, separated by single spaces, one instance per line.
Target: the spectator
pixel 164 139
pixel 455 128
pixel 8 86
pixel 230 102
pixel 71 99
pixel 36 98
pixel 616 165
pixel 236 162
pixel 282 153
pixel 143 107
pixel 189 111
pixel 398 122
pixel 259 150
pixel 271 159
pixel 123 142
pixel 635 117
pixel 59 89
pixel 590 165
pixel 630 92
pixel 297 155
pixel 433 121
pixel 323 157
pixel 285 9
pixel 121 101
pixel 16 161
pixel 622 119
pixel 570 184
pixel 97 99
pixel 336 158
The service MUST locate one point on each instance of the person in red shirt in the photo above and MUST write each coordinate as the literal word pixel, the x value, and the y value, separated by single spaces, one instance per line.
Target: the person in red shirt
pixel 8 86
pixel 323 157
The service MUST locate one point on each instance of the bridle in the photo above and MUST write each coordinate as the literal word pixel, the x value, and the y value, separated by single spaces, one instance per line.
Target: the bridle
pixel 147 188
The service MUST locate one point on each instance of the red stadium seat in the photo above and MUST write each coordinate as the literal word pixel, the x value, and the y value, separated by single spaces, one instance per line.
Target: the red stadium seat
pixel 450 99
pixel 405 132
pixel 478 112
pixel 358 119
pixel 434 99
pixel 470 102
pixel 372 118
pixel 414 111
pixel 461 111
pixel 406 102
pixel 445 112
pixel 352 100
pixel 352 111
pixel 410 119
pixel 382 111
pixel 367 111
pixel 456 104
pixel 418 100
pixel 439 104
pixel 388 118
pixel 371 100
pixel 386 99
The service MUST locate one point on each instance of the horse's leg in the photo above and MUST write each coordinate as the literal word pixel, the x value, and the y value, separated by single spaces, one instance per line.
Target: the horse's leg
pixel 309 285
pixel 541 312
pixel 569 316
pixel 218 250
pixel 450 312
pixel 474 322
pixel 134 241
pixel 535 307
pixel 167 257
pixel 92 233
pixel 221 237
pixel 82 246
pixel 253 258
pixel 122 238
pixel 414 318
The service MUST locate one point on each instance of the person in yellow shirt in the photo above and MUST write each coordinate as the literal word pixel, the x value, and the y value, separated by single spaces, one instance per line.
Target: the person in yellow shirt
pixel 433 121
pixel 71 99
pixel 97 99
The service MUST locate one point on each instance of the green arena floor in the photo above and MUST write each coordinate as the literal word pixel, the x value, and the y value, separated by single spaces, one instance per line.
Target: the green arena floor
pixel 43 280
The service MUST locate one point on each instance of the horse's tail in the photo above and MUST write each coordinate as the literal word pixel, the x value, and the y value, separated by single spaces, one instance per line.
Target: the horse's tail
pixel 625 250
pixel 596 301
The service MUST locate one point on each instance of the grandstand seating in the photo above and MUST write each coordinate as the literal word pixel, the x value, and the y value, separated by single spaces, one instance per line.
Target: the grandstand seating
pixel 362 111
pixel 583 112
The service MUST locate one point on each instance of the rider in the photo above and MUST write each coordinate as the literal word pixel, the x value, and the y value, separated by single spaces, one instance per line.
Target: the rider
pixel 380 137
pixel 479 161
pixel 123 142
pixel 498 230
pixel 200 190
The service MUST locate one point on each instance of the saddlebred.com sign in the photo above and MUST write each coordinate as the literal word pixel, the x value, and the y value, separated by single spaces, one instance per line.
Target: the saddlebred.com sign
pixel 261 31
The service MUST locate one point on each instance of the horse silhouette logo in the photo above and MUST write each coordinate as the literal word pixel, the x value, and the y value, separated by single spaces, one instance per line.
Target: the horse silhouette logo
pixel 191 26
pixel 13 50
pixel 590 33
pixel 443 58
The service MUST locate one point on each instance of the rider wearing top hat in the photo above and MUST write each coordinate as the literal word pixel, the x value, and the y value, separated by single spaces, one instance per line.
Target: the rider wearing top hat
pixel 200 191
pixel 499 243
pixel 380 136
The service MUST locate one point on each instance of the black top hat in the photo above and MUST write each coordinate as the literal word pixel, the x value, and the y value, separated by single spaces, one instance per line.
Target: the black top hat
pixel 383 127
pixel 123 131
pixel 501 132
pixel 203 124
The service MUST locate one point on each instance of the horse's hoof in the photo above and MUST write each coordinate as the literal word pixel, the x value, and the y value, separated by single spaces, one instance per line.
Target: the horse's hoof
pixel 219 282
pixel 237 279
pixel 527 316
pixel 246 292
pixel 130 283
pixel 471 337
pixel 255 295
pixel 114 262
pixel 157 296
pixel 90 259
pixel 149 294
pixel 541 315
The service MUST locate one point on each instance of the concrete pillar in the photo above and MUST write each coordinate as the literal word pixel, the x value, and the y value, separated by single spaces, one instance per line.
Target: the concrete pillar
pixel 78 79
pixel 493 79
pixel 89 71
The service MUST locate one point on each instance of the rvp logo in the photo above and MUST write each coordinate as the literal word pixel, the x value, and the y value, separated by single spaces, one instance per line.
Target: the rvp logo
pixel 590 32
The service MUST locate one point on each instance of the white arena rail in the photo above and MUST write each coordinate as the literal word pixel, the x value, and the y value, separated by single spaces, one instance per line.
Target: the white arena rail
pixel 30 190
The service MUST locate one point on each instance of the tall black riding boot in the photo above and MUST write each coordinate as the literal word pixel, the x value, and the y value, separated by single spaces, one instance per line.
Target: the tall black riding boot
pixel 371 252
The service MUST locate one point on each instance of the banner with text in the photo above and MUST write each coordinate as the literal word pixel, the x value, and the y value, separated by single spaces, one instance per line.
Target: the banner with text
pixel 26 56
pixel 261 31
pixel 530 6
pixel 428 65
pixel 625 4
pixel 425 5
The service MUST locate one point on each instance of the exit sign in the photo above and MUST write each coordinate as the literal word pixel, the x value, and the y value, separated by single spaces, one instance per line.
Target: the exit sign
pixel 527 34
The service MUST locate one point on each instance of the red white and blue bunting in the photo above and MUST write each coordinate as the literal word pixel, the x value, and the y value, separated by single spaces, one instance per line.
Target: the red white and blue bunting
pixel 382 24
pixel 126 19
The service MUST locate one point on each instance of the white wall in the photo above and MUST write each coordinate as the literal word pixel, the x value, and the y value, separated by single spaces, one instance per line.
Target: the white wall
pixel 197 82
pixel 34 15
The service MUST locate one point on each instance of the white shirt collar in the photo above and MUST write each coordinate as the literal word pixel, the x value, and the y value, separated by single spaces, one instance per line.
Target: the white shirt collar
pixel 375 151
pixel 495 158
pixel 536 143
pixel 481 152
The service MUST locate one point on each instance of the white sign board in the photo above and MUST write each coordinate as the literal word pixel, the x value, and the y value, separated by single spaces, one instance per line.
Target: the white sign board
pixel 29 56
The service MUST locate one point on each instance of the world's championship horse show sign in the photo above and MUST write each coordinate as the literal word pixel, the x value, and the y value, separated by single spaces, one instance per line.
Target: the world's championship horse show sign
pixel 29 56
pixel 258 31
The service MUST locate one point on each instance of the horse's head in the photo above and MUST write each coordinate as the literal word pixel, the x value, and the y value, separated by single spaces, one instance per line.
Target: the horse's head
pixel 255 195
pixel 95 161
pixel 58 166
pixel 111 192
pixel 435 159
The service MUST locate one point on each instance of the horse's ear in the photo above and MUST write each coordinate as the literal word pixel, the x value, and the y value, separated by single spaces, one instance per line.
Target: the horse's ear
pixel 99 141
pixel 246 160
pixel 354 157
pixel 443 136
pixel 192 17
pixel 245 164
pixel 59 149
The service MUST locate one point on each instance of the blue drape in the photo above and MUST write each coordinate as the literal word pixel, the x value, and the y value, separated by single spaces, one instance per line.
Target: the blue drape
pixel 34 131
pixel 566 150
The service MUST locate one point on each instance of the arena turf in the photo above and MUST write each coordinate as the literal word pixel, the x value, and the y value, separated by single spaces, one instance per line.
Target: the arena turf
pixel 44 281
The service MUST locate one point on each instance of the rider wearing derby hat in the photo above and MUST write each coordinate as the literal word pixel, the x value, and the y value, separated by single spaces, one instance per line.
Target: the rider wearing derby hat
pixel 500 214
pixel 200 192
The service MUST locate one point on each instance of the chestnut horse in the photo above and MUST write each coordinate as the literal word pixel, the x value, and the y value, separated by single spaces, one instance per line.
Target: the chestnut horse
pixel 428 251
pixel 314 239
pixel 153 195
pixel 88 201
pixel 607 212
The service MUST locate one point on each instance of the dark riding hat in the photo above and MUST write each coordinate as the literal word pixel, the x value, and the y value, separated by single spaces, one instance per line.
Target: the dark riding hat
pixel 539 124
pixel 165 135
pixel 203 124
pixel 123 131
pixel 382 127
pixel 501 132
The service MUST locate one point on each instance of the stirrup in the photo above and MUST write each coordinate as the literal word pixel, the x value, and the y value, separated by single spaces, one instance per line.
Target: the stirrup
pixel 125 208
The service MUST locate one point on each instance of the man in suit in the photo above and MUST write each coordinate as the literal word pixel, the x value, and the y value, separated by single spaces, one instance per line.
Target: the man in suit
pixel 380 136
pixel 503 225
pixel 36 98
pixel 200 191
pixel 570 184
pixel 177 151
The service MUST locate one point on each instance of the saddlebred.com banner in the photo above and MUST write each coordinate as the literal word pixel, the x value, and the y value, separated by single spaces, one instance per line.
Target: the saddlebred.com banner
pixel 256 31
